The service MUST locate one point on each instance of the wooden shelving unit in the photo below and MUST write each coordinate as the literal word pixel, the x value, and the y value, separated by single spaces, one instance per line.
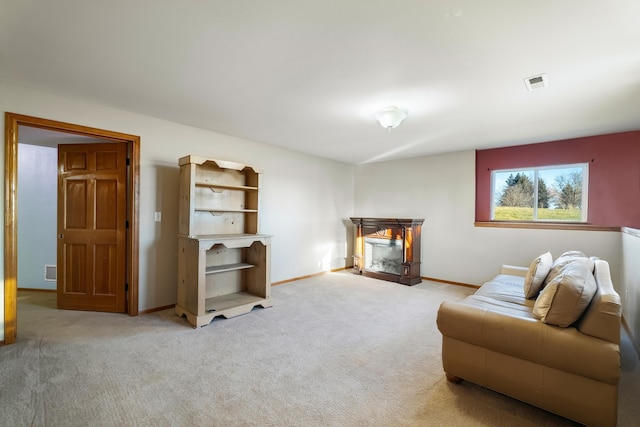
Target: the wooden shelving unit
pixel 223 262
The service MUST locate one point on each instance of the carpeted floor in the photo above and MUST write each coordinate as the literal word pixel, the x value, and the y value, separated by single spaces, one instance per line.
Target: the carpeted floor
pixel 334 350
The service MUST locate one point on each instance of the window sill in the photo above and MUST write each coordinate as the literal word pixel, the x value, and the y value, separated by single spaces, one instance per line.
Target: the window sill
pixel 545 225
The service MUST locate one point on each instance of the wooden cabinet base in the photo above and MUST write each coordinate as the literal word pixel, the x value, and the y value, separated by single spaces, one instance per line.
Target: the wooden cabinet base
pixel 222 276
pixel 234 305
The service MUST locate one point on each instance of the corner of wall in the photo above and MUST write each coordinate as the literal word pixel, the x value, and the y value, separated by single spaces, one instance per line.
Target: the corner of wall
pixel 629 288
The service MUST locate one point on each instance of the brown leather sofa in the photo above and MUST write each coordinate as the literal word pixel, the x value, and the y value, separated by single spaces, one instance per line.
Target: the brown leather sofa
pixel 493 339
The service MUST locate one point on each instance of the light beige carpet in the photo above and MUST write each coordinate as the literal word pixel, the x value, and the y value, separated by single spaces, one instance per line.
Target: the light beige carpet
pixel 334 350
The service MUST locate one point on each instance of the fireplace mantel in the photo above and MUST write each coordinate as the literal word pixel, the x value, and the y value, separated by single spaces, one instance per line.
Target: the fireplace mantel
pixel 388 249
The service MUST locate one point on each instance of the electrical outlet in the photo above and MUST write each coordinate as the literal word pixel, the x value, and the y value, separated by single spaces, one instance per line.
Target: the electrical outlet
pixel 158 216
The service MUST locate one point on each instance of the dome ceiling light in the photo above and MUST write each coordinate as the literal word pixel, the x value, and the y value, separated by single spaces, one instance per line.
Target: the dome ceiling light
pixel 390 117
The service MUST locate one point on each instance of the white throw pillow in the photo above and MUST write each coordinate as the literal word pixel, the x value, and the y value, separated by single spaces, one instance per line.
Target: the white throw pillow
pixel 538 271
pixel 563 300
pixel 565 259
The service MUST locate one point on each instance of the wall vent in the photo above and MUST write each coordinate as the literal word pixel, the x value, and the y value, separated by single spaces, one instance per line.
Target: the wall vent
pixel 50 273
pixel 536 82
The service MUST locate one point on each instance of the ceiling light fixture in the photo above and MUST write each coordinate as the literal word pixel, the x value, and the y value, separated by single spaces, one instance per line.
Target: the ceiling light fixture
pixel 390 117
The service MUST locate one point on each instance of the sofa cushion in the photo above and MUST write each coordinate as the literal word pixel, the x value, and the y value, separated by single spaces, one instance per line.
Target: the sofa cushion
pixel 565 259
pixel 538 271
pixel 507 288
pixel 563 300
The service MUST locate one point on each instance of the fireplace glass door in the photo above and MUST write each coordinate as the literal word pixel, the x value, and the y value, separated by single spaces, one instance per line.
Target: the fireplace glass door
pixel 383 250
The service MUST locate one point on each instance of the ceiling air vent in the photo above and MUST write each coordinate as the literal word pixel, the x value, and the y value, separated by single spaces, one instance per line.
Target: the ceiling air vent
pixel 536 82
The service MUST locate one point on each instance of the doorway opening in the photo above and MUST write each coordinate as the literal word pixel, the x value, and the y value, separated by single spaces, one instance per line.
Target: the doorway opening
pixel 13 122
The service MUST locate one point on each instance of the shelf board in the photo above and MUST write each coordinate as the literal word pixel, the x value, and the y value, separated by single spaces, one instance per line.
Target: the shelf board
pixel 225 237
pixel 230 301
pixel 226 187
pixel 221 210
pixel 227 267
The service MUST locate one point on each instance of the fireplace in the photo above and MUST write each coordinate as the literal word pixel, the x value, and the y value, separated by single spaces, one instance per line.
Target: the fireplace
pixel 388 249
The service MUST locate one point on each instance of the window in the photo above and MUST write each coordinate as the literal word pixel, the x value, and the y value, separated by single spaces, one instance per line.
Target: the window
pixel 560 193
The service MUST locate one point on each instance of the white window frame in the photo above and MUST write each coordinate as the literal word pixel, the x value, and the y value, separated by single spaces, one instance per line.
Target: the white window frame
pixel 536 169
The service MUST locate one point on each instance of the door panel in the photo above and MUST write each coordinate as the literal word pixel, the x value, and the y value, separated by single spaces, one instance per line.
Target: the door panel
pixel 75 255
pixel 106 216
pixel 92 227
pixel 105 280
pixel 76 204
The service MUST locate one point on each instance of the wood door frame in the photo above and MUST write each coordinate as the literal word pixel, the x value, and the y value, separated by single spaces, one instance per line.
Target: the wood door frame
pixel 11 123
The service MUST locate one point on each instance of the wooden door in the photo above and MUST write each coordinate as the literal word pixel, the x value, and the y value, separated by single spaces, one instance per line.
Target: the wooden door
pixel 92 197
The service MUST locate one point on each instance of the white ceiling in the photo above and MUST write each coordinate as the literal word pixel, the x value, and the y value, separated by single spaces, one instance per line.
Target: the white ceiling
pixel 309 75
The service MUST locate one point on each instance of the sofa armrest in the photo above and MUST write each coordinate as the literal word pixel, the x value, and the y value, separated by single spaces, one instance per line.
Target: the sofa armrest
pixel 530 339
pixel 603 316
pixel 514 270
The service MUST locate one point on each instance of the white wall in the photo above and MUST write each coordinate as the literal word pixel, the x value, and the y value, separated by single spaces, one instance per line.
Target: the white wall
pixel 630 282
pixel 305 199
pixel 441 189
pixel 37 205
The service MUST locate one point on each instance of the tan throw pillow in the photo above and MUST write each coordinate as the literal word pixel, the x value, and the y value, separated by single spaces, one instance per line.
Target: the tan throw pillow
pixel 563 300
pixel 565 259
pixel 538 270
pixel 573 254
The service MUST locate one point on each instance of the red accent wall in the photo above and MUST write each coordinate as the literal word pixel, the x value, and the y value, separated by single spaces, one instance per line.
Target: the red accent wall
pixel 614 173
